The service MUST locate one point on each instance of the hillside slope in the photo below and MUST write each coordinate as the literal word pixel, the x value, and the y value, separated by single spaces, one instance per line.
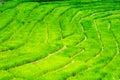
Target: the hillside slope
pixel 60 41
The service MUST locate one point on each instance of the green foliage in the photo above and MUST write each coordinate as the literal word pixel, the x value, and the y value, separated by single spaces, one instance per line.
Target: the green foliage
pixel 64 40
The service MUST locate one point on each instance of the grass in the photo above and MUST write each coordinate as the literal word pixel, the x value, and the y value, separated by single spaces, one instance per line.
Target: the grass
pixel 60 40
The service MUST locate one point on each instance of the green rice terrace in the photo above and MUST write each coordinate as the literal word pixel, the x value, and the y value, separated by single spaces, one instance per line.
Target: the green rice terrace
pixel 60 40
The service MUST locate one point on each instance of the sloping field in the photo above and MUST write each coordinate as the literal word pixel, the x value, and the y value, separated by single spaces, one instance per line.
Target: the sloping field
pixel 60 41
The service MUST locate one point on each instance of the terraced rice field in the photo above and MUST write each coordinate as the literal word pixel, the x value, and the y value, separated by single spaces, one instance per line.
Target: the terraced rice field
pixel 60 41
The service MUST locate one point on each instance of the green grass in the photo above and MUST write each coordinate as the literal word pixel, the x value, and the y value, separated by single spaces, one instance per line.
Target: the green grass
pixel 64 40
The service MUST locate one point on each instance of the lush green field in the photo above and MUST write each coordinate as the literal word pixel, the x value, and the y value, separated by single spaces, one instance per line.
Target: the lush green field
pixel 60 41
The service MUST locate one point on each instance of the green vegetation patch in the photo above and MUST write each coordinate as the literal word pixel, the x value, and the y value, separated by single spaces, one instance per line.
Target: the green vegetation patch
pixel 60 40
